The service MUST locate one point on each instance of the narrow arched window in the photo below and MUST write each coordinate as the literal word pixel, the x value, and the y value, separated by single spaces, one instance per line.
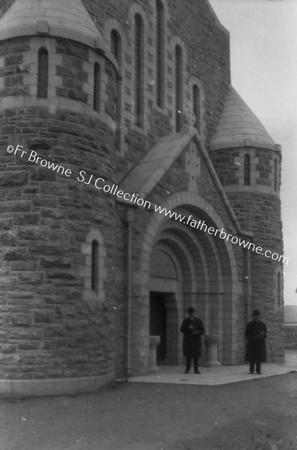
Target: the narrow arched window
pixel 115 45
pixel 178 87
pixel 42 73
pixel 116 49
pixel 92 268
pixel 247 170
pixel 275 175
pixel 160 53
pixel 139 40
pixel 95 266
pixel 196 106
pixel 279 289
pixel 97 86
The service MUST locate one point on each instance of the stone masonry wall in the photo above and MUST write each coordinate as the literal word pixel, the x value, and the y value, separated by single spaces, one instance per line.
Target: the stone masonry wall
pixel 206 58
pixel 224 162
pixel 258 210
pixel 229 164
pixel 71 70
pixel 46 328
pixel 13 68
pixel 260 213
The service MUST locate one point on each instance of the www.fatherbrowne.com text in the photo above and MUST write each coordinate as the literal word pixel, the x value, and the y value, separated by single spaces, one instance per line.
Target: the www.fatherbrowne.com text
pixel 221 233
pixel 113 189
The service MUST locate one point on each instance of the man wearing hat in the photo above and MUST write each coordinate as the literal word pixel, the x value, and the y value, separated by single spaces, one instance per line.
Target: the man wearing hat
pixel 255 334
pixel 193 329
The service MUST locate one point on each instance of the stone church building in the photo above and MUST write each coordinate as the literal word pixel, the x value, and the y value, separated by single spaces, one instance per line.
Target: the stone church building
pixel 134 182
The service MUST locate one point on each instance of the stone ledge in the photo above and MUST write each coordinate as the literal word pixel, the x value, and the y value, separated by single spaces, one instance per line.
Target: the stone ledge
pixel 55 386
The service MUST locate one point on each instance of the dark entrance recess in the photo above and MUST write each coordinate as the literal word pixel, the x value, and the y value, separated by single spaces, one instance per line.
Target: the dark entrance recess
pixel 158 323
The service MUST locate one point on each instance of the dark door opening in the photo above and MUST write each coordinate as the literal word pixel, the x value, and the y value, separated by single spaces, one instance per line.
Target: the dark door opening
pixel 158 323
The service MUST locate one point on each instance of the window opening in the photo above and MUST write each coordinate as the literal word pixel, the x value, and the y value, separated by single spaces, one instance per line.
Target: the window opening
pixel 178 87
pixel 95 266
pixel 160 53
pixel 115 43
pixel 275 175
pixel 138 71
pixel 42 77
pixel 97 83
pixel 247 170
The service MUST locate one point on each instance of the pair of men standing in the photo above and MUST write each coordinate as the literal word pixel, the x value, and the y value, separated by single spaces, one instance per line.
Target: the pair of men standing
pixel 255 333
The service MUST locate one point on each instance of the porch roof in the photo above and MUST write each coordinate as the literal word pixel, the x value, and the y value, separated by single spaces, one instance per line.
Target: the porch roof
pixel 146 174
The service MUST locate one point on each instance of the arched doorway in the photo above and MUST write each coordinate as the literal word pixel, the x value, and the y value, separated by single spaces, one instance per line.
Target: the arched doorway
pixel 164 281
pixel 195 268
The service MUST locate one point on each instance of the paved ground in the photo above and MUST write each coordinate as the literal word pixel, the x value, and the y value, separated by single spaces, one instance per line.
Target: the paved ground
pixel 259 414
pixel 212 376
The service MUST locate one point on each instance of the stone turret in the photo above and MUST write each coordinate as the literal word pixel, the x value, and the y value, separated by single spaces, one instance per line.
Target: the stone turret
pixel 58 85
pixel 248 164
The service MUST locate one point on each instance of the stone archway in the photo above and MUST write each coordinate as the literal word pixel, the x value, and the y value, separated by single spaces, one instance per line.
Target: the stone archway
pixel 206 275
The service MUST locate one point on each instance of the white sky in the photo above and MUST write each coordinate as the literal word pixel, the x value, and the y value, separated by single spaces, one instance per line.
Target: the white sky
pixel 263 41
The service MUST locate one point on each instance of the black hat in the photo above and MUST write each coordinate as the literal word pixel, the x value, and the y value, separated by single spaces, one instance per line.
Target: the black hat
pixel 256 313
pixel 191 310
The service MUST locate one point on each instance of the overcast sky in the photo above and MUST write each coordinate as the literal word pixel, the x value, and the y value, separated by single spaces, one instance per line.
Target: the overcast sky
pixel 263 36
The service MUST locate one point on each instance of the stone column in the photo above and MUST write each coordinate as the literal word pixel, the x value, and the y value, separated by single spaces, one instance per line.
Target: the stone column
pixel 212 341
pixel 154 341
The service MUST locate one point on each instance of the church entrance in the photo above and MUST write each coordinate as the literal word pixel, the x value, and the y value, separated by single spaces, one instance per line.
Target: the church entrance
pixel 164 322
pixel 163 315
pixel 181 266
pixel 158 323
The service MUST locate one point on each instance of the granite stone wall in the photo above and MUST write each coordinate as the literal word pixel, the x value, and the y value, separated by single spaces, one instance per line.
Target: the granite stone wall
pixel 206 58
pixel 50 325
pixel 260 213
pixel 47 330
pixel 258 209
pixel 13 68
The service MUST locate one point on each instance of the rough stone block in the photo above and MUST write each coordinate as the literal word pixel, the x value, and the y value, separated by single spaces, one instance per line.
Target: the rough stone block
pixel 23 266
pixel 18 320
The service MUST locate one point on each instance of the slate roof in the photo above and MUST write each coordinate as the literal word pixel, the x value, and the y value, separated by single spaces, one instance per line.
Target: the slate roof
pixel 239 126
pixel 148 172
pixel 65 18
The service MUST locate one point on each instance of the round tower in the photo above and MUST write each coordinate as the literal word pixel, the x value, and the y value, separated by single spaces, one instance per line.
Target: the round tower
pixel 248 164
pixel 58 84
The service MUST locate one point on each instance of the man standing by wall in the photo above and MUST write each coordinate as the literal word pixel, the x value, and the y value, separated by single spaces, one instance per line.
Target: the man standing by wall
pixel 256 349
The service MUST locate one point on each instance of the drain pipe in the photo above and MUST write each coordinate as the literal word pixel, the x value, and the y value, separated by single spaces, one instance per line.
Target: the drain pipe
pixel 248 284
pixel 129 221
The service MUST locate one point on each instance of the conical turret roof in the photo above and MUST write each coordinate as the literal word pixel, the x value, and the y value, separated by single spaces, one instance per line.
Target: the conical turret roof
pixel 59 18
pixel 239 126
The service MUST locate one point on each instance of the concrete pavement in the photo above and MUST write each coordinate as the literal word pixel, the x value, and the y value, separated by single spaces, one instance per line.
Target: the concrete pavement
pixel 211 376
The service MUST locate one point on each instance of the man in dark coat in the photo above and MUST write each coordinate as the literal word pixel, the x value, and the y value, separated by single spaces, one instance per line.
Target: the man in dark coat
pixel 256 349
pixel 193 329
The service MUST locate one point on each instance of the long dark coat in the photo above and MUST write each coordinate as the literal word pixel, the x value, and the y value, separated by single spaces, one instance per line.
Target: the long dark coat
pixel 256 334
pixel 193 329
